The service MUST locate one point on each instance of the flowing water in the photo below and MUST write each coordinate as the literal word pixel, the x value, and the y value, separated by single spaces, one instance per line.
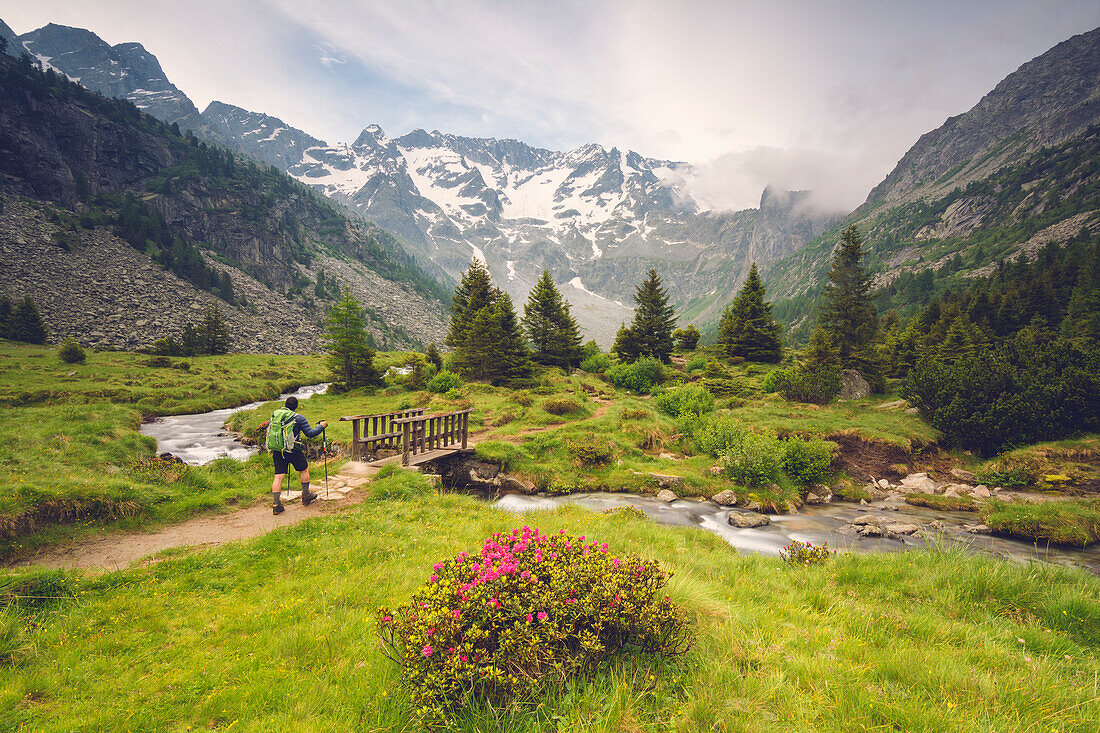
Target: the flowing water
pixel 817 524
pixel 201 438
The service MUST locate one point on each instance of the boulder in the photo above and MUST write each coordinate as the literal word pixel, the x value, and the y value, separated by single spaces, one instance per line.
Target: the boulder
pixel 918 482
pixel 980 492
pixel 747 520
pixel 883 483
pixel 754 506
pixel 819 494
pixel 955 489
pixel 666 482
pixel 512 484
pixel 852 385
pixel 964 475
pixel 666 495
pixel 725 498
pixel 876 525
pixel 977 529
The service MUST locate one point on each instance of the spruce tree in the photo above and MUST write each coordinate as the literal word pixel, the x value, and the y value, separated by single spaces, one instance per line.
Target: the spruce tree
pixel 626 345
pixel 351 359
pixel 687 338
pixel 849 313
pixel 26 322
pixel 434 357
pixel 550 328
pixel 495 349
pixel 213 332
pixel 747 328
pixel 650 333
pixel 475 292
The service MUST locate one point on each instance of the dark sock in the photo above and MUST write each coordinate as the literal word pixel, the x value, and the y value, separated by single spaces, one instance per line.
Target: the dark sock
pixel 276 498
pixel 305 488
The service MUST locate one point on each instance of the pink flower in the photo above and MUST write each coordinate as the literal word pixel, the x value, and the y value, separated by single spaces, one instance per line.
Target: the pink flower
pixel 387 619
pixel 530 618
pixel 433 578
pixel 542 616
pixel 426 651
pixel 431 631
pixel 456 613
pixel 616 562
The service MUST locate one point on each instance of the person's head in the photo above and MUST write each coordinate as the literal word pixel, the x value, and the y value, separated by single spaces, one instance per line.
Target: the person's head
pixel 292 403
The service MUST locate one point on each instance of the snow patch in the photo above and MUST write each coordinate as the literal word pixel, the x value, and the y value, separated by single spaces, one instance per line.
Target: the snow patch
pixel 511 269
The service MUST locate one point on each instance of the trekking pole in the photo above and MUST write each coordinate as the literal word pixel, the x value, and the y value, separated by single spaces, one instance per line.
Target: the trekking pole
pixel 324 452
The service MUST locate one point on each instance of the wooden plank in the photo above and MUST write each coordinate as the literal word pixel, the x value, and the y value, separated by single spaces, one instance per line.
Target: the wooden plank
pixel 354 439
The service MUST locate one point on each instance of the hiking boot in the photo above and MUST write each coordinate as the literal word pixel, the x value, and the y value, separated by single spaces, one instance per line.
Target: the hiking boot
pixel 308 497
pixel 278 509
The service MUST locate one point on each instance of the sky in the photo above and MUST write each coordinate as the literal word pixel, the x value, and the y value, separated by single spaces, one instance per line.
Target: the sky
pixel 810 94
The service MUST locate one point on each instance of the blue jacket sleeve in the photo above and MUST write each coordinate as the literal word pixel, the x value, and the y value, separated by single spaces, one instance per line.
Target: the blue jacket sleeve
pixel 301 425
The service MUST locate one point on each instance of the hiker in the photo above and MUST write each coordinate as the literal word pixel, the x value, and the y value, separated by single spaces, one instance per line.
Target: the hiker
pixel 284 427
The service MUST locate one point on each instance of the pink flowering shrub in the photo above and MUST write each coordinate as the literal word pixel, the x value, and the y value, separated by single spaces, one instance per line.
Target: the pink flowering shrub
pixel 529 610
pixel 805 553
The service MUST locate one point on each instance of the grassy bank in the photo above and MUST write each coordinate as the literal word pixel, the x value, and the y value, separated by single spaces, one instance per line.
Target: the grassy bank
pixel 277 634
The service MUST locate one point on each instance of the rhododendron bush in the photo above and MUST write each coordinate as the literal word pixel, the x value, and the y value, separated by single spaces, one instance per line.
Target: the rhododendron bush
pixel 527 611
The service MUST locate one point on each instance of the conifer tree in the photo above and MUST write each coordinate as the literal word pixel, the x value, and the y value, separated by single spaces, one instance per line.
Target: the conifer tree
pixel 475 292
pixel 495 349
pixel 626 345
pixel 747 328
pixel 434 357
pixel 550 327
pixel 650 333
pixel 687 338
pixel 213 333
pixel 26 322
pixel 5 317
pixel 848 312
pixel 351 359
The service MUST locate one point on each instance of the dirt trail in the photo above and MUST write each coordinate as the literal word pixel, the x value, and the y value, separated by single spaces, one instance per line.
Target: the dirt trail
pixel 120 550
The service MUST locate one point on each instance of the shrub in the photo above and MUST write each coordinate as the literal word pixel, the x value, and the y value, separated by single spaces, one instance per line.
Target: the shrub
pixel 634 413
pixel 715 434
pixel 562 406
pixel 526 613
pixel 696 363
pixel 804 554
pixel 769 383
pixel 158 362
pixel 597 363
pixel 70 352
pixel 755 461
pixel 807 461
pixel 688 399
pixel 444 382
pixel 1018 394
pixel 590 451
pixel 639 376
pixel 522 398
pixel 818 386
pixel 183 366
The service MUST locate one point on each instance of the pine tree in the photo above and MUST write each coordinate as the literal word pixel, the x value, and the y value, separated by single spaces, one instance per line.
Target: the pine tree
pixel 26 322
pixel 650 333
pixel 189 342
pixel 434 357
pixel 351 359
pixel 475 292
pixel 849 313
pixel 213 333
pixel 747 328
pixel 495 350
pixel 550 327
pixel 687 338
pixel 5 317
pixel 626 346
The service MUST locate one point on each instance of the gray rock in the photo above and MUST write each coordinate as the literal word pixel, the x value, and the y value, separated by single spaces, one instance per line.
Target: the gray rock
pixel 918 482
pixel 819 494
pixel 666 495
pixel 746 520
pixel 964 475
pixel 725 498
pixel 665 481
pixel 977 529
pixel 853 386
pixel 980 492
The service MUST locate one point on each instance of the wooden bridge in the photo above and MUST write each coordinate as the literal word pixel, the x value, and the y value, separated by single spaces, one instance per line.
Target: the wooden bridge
pixel 418 438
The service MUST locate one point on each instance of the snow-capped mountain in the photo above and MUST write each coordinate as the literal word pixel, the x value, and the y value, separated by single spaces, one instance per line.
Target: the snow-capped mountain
pixel 258 135
pixel 126 71
pixel 596 218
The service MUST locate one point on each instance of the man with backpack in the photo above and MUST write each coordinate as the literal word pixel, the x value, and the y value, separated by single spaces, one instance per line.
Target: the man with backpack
pixel 282 440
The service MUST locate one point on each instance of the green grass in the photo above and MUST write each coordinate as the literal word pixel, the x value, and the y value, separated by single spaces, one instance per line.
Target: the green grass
pixel 33 375
pixel 1060 522
pixel 943 503
pixel 277 634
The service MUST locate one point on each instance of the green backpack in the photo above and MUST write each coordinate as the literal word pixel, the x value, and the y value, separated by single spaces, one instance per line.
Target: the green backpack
pixel 280 432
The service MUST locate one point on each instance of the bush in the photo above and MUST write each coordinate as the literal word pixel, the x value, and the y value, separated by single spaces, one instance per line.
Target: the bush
pixel 158 362
pixel 597 363
pixel 522 398
pixel 526 613
pixel 562 406
pixel 755 461
pixel 691 399
pixel 696 363
pixel 639 376
pixel 715 434
pixel 804 554
pixel 807 461
pixel 444 382
pixel 769 383
pixel 590 451
pixel 1018 394
pixel 635 413
pixel 818 387
pixel 183 366
pixel 70 352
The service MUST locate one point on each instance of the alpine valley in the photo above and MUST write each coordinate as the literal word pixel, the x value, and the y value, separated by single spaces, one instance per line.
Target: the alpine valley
pixel 1006 177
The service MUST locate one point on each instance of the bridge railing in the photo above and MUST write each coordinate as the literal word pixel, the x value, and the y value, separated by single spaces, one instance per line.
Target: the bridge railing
pixel 379 431
pixel 423 433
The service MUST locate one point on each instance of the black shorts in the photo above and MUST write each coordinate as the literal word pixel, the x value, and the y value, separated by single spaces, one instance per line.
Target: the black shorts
pixel 294 458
